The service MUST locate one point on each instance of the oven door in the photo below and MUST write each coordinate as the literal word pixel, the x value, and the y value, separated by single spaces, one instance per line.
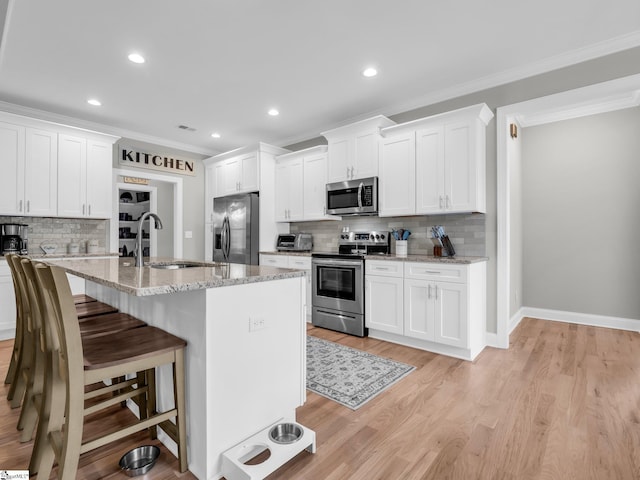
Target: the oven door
pixel 338 284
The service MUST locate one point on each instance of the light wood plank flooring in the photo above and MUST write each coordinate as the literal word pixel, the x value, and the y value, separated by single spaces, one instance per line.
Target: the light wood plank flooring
pixel 562 403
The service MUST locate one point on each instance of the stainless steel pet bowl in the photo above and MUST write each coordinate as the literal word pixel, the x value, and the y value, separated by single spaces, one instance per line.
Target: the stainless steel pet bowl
pixel 285 433
pixel 139 460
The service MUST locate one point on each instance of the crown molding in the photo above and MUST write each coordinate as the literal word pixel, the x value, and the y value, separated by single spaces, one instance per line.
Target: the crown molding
pixel 100 128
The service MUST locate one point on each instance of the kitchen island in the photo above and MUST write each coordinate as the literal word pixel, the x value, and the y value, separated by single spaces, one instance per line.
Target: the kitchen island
pixel 246 343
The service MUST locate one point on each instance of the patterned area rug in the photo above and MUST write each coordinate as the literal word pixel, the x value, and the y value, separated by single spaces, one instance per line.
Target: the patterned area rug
pixel 348 376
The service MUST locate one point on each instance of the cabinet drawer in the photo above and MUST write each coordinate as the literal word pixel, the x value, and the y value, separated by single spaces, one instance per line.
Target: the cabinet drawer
pixel 280 261
pixel 384 268
pixel 300 263
pixel 436 271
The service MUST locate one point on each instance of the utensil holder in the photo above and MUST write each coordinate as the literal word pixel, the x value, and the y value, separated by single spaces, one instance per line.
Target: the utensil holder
pixel 401 248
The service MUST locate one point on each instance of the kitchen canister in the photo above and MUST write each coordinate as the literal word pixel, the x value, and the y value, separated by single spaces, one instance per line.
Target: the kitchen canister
pixel 92 246
pixel 73 247
pixel 401 248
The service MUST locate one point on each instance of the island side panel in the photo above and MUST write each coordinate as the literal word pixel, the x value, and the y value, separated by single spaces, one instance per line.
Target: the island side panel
pixel 184 315
pixel 256 372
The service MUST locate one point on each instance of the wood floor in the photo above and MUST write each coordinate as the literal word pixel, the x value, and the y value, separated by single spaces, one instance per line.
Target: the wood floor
pixel 562 403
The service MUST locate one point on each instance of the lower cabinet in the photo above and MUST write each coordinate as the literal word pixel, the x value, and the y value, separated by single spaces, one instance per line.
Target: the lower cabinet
pixel 436 307
pixel 297 262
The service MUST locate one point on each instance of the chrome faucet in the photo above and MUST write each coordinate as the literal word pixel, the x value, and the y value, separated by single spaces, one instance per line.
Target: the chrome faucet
pixel 138 251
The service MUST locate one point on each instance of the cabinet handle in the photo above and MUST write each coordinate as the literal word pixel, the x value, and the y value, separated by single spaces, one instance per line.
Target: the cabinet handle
pixel 89 209
pixel 83 209
pixel 447 201
pixel 435 287
pixel 429 291
pixel 351 173
pixel 382 268
pixel 28 206
pixel 440 202
pixel 20 206
pixel 432 272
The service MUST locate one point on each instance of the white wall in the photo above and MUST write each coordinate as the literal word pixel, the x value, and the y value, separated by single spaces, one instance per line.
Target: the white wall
pixel 581 210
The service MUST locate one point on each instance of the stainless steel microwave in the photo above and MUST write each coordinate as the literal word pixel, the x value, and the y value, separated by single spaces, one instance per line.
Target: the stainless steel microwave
pixel 353 197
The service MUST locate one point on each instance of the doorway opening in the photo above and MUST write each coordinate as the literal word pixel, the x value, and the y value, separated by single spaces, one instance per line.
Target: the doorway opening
pixel 599 98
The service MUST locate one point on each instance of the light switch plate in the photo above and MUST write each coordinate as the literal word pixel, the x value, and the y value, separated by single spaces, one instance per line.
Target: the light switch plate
pixel 188 234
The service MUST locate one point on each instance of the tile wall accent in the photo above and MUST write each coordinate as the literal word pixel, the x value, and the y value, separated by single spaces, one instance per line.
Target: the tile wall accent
pixel 61 231
pixel 466 231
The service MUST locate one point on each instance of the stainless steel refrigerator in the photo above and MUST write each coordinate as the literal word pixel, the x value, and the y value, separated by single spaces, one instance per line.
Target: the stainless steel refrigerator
pixel 236 229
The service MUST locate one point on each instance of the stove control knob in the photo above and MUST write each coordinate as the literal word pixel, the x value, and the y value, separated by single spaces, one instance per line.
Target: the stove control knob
pixel 377 237
pixel 382 236
pixel 371 237
pixel 344 237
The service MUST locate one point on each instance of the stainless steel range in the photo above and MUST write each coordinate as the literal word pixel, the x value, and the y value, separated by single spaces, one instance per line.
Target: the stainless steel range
pixel 338 282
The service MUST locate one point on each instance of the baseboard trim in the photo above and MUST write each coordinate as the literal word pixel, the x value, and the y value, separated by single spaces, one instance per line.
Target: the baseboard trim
pixel 588 319
pixel 491 339
pixel 516 319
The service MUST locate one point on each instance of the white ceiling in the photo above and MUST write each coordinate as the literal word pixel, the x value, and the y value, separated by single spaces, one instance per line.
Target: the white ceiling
pixel 219 65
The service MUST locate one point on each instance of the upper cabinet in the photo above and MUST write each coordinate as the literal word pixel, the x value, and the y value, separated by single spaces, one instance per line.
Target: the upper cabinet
pixel 53 170
pixel 301 179
pixel 84 177
pixel 238 174
pixel 441 159
pixel 29 161
pixel 353 149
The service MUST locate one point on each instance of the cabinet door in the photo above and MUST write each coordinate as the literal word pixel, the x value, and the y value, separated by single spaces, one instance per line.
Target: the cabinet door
pixel 12 164
pixel 430 170
pixel 227 177
pixel 460 169
pixel 99 179
pixel 451 314
pixel 72 174
pixel 419 309
pixel 41 173
pixel 282 192
pixel 303 263
pixel 248 173
pixel 340 164
pixel 296 180
pixel 209 192
pixel 314 191
pixel 384 303
pixel 366 155
pixel 397 176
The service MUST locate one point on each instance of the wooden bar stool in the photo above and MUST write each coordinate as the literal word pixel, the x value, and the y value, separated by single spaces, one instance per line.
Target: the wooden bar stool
pixel 74 363
pixel 92 309
pixel 34 365
pixel 17 343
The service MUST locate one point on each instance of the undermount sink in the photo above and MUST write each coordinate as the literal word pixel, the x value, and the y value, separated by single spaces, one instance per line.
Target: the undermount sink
pixel 175 265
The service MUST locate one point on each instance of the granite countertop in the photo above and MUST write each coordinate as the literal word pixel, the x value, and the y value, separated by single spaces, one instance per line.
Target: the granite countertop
pixel 291 253
pixel 122 275
pixel 40 256
pixel 460 260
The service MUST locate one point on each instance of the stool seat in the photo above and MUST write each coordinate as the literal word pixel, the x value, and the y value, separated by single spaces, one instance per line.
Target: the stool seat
pixel 82 298
pixel 137 344
pixel 108 323
pixel 92 309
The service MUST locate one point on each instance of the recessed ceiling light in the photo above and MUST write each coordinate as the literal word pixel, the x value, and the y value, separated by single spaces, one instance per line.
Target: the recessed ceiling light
pixel 274 112
pixel 370 72
pixel 215 135
pixel 94 102
pixel 136 58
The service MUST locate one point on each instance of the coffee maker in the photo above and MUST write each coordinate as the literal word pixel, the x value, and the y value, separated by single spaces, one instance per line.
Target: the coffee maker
pixel 13 238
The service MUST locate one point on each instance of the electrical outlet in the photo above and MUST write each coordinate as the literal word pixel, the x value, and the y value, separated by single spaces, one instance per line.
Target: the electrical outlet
pixel 429 233
pixel 188 234
pixel 257 323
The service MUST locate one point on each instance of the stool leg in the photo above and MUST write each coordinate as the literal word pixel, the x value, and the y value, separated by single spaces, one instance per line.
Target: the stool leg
pixel 152 408
pixel 29 413
pixel 19 383
pixel 51 420
pixel 181 420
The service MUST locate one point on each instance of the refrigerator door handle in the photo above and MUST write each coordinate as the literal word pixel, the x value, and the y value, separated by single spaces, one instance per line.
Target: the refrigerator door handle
pixel 226 243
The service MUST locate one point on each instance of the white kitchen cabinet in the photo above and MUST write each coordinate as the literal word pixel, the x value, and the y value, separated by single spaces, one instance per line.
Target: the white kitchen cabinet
pixel 84 170
pixel 384 294
pixel 289 190
pixel 237 175
pixel 301 179
pixel 12 158
pixel 353 149
pixel 209 191
pixel 297 262
pixel 449 163
pixel 397 186
pixel 40 173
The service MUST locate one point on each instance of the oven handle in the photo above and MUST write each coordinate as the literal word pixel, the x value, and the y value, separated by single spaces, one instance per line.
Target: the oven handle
pixel 341 263
pixel 360 190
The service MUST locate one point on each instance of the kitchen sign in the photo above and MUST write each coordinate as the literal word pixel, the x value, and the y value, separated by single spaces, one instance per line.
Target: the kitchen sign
pixel 131 157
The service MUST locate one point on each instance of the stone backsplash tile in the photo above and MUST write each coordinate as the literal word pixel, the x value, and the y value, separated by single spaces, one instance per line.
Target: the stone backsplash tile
pixel 466 231
pixel 62 231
